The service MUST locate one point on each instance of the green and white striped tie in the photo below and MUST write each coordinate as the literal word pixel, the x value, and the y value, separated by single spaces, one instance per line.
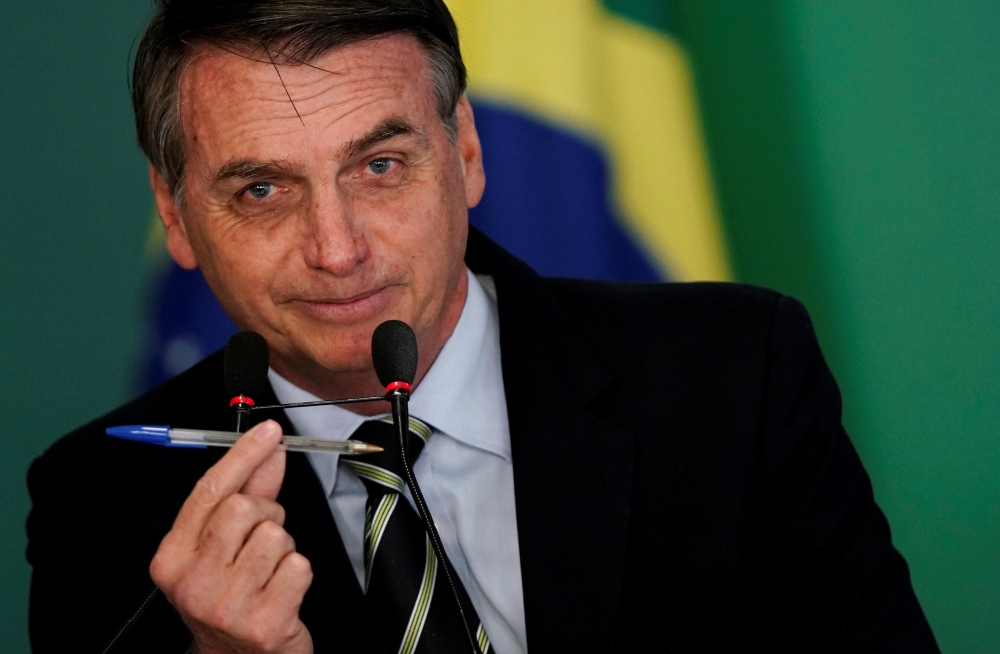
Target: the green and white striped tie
pixel 414 613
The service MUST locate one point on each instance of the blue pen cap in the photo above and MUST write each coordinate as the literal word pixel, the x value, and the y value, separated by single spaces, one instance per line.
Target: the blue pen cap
pixel 153 434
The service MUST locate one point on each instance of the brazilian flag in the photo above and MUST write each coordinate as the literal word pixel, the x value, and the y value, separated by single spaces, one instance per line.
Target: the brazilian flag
pixel 594 157
pixel 595 162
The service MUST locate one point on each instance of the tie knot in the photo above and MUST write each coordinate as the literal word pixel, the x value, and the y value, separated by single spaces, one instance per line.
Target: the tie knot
pixel 386 468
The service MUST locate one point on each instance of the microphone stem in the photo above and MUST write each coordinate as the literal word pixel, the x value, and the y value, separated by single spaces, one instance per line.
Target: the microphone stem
pixel 241 417
pixel 127 626
pixel 401 419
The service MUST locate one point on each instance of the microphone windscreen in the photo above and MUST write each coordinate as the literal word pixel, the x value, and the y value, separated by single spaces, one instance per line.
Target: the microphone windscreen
pixel 245 364
pixel 394 352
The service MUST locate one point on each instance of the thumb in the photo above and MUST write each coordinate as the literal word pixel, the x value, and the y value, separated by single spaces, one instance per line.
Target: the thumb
pixel 266 480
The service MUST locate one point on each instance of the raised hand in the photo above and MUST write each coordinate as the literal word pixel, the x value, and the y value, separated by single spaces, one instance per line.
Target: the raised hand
pixel 227 565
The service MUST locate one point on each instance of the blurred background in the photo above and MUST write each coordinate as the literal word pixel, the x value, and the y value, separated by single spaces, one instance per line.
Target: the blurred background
pixel 846 153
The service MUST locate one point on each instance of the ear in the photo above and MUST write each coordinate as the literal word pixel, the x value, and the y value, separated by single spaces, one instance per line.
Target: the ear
pixel 178 244
pixel 470 153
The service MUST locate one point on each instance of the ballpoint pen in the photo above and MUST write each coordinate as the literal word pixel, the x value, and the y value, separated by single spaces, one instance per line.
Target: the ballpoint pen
pixel 201 438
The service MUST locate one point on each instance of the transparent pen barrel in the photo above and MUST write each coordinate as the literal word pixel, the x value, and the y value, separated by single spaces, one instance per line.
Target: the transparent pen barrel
pixel 292 443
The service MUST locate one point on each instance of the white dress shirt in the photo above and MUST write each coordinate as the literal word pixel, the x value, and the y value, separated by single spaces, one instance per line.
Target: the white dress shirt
pixel 465 469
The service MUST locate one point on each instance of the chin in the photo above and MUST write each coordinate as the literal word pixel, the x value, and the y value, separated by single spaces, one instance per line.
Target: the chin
pixel 348 352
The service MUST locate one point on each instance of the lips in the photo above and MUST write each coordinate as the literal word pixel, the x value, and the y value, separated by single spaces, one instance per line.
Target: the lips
pixel 354 298
pixel 355 308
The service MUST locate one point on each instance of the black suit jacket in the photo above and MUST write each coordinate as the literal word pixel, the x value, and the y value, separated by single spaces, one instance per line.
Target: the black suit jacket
pixel 682 483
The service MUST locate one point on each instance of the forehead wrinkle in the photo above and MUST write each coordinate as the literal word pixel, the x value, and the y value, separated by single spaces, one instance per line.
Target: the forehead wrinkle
pixel 326 94
pixel 383 59
pixel 218 74
pixel 314 96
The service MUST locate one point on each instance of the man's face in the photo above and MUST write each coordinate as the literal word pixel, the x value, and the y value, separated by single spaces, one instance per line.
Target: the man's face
pixel 313 227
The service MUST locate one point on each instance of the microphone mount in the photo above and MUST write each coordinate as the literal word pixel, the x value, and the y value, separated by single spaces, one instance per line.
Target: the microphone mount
pixel 241 406
pixel 297 405
pixel 390 391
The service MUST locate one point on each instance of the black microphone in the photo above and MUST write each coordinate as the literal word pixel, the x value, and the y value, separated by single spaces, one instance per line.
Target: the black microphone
pixel 244 366
pixel 394 355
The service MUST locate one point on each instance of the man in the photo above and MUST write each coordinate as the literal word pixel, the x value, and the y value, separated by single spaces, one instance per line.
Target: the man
pixel 612 467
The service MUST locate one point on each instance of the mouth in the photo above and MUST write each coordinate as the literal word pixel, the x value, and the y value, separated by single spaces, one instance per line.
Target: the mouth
pixel 355 308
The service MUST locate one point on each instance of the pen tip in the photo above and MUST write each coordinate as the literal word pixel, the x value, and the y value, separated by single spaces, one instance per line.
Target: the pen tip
pixel 361 447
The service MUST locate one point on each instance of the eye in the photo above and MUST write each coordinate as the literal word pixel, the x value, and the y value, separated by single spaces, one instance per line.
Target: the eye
pixel 260 190
pixel 380 166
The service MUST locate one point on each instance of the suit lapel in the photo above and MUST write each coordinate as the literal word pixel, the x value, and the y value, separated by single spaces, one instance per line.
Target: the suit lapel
pixel 572 469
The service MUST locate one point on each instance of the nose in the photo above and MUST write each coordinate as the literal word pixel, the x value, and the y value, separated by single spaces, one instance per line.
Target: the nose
pixel 335 243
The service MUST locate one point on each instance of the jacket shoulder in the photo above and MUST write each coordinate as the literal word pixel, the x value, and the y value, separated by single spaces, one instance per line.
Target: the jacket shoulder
pixel 690 293
pixel 705 340
pixel 693 311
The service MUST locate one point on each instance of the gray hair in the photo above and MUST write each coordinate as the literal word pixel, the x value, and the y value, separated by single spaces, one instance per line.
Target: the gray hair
pixel 274 31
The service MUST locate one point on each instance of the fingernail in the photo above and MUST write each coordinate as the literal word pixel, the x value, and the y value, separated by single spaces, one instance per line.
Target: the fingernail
pixel 266 431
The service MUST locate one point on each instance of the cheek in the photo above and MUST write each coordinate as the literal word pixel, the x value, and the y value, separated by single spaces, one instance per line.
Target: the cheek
pixel 434 240
pixel 241 262
pixel 426 228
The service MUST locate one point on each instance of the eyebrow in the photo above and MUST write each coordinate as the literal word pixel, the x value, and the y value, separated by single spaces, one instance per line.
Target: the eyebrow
pixel 387 129
pixel 251 169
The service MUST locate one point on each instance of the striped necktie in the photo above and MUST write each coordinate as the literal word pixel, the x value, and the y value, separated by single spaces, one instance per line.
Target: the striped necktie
pixel 406 592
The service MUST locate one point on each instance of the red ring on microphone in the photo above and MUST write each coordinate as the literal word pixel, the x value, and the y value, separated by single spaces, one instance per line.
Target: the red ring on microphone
pixel 397 384
pixel 241 399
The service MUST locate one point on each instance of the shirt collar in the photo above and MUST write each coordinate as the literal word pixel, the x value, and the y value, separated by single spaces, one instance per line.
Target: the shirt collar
pixel 461 396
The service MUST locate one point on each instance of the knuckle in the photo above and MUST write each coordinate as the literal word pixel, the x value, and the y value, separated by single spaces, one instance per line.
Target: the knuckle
pixel 163 569
pixel 240 506
pixel 159 570
pixel 208 488
pixel 300 565
pixel 274 537
pixel 270 529
pixel 279 513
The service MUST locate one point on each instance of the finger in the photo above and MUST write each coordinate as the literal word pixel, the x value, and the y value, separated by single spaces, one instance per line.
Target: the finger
pixel 267 479
pixel 256 563
pixel 225 478
pixel 289 583
pixel 232 524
